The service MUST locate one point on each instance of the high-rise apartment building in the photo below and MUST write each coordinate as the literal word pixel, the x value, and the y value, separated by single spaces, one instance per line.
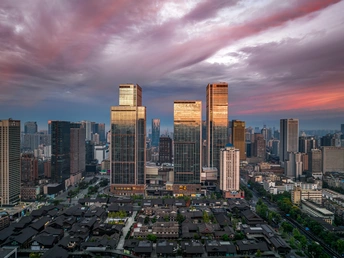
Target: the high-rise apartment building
pixel 229 168
pixel 289 137
pixel 128 142
pixel 60 151
pixel 315 160
pixel 333 159
pixel 77 149
pixel 165 149
pixel 259 147
pixel 187 141
pixel 9 161
pixel 216 121
pixel 238 137
pixel 101 132
pixel 155 132
pixel 30 127
pixel 29 168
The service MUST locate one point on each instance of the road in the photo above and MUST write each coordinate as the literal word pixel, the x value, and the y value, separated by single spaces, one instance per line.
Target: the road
pixel 125 230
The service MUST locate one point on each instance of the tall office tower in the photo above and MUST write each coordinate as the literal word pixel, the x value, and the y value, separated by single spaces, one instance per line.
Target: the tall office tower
pixel 101 132
pixel 306 143
pixel 238 137
pixel 155 132
pixel 342 128
pixel 259 147
pixel 275 147
pixel 289 137
pixel 77 149
pixel 229 168
pixel 327 140
pixel 204 131
pixel 315 161
pixel 30 127
pixel 276 134
pixel 165 149
pixel 217 121
pixel 9 161
pixel 60 151
pixel 29 168
pixel 266 132
pixel 49 126
pixel 187 141
pixel 128 142
pixel 89 152
pixel 96 138
pixel 88 126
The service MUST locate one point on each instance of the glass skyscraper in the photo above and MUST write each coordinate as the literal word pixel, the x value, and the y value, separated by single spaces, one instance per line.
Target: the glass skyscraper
pixel 187 141
pixel 217 122
pixel 238 137
pixel 155 132
pixel 128 142
pixel 60 151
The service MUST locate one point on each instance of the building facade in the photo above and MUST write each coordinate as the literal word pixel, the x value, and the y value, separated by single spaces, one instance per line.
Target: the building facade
pixel 9 161
pixel 128 142
pixel 229 169
pixel 187 141
pixel 333 159
pixel 238 137
pixel 77 149
pixel 289 137
pixel 155 132
pixel 30 127
pixel 165 150
pixel 216 122
pixel 60 151
pixel 29 168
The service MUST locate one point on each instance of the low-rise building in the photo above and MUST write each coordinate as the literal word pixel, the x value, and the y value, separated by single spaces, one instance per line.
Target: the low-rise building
pixel 316 211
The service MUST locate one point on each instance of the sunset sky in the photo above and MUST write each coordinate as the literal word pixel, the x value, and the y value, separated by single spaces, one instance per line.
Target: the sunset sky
pixel 64 60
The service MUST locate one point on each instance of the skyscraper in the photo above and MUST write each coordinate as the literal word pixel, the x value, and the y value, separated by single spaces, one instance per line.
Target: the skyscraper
pixel 217 121
pixel 29 168
pixel 60 151
pixel 9 161
pixel 101 132
pixel 187 141
pixel 289 137
pixel 155 132
pixel 77 149
pixel 30 127
pixel 128 142
pixel 229 168
pixel 238 137
pixel 165 149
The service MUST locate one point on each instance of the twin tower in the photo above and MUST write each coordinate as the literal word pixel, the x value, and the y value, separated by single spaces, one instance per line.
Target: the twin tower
pixel 128 138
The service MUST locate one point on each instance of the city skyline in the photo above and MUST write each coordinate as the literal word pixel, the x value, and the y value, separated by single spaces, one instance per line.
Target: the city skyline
pixel 280 60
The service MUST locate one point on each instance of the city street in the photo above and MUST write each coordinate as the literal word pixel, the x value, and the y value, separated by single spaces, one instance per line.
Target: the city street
pixel 125 230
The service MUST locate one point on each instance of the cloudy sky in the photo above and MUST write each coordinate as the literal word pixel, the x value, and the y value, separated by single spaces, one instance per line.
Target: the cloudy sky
pixel 64 60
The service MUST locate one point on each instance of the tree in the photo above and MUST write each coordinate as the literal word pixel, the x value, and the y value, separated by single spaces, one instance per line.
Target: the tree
pixel 314 250
pixel 225 237
pixel 152 237
pixel 287 227
pixel 166 218
pixel 180 218
pixel 146 221
pixel 340 246
pixel 258 253
pixel 206 218
pixel 35 255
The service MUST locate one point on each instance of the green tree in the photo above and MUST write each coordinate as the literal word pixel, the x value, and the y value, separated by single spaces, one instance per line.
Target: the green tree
pixel 35 255
pixel 258 253
pixel 152 238
pixel 180 218
pixel 314 250
pixel 146 221
pixel 340 246
pixel 225 237
pixel 287 227
pixel 206 218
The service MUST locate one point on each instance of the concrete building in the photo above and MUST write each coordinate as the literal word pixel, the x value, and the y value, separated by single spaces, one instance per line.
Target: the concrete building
pixel 165 150
pixel 128 142
pixel 289 137
pixel 333 159
pixel 315 210
pixel 77 149
pixel 30 127
pixel 216 122
pixel 101 152
pixel 29 168
pixel 315 160
pixel 259 147
pixel 9 161
pixel 229 169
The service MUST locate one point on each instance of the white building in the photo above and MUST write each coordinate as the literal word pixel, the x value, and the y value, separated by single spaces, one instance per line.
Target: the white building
pixel 229 168
pixel 101 152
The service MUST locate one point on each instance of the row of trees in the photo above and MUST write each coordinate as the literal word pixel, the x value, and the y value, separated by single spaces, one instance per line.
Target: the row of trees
pixel 119 214
pixel 284 204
